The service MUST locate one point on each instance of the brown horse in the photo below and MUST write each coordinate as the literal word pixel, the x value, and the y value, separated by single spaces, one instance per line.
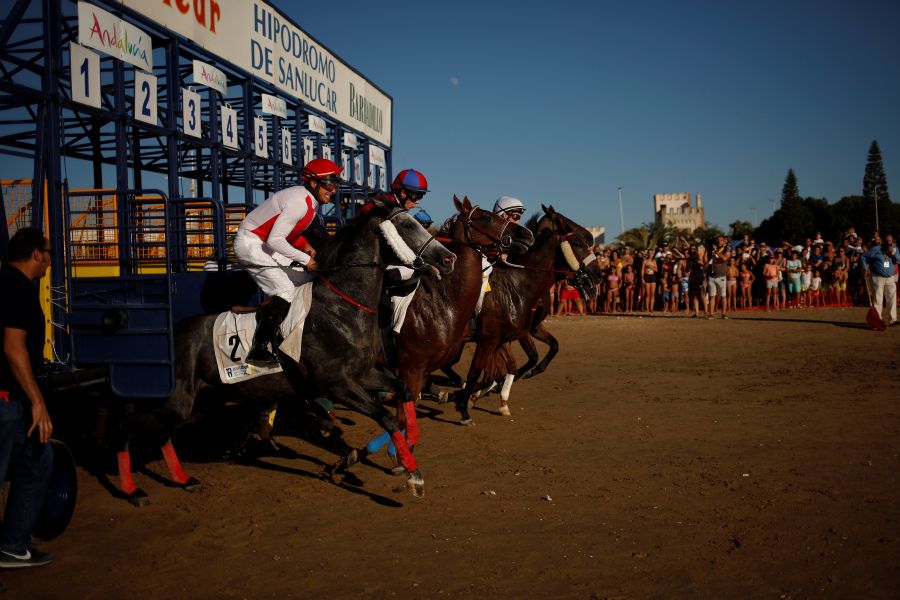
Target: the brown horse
pixel 441 310
pixel 559 251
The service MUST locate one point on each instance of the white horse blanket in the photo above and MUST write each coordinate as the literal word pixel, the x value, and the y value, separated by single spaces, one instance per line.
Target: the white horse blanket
pixel 233 338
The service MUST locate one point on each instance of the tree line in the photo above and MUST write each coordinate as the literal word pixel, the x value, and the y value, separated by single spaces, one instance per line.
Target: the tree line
pixel 797 218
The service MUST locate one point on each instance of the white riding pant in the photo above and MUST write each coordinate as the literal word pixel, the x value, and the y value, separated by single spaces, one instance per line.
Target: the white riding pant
pixel 269 269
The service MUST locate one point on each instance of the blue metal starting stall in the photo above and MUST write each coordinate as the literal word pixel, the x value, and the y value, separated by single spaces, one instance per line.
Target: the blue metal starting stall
pixel 148 130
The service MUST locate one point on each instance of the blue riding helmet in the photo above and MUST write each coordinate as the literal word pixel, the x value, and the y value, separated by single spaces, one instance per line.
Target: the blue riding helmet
pixel 423 218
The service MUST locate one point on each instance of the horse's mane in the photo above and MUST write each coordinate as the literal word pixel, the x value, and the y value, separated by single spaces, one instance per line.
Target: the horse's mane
pixel 343 240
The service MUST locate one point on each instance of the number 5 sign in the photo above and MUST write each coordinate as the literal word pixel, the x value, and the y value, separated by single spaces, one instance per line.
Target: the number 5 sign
pixel 261 135
pixel 144 97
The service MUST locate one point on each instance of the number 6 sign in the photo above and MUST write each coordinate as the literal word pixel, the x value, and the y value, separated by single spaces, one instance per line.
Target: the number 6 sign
pixel 286 147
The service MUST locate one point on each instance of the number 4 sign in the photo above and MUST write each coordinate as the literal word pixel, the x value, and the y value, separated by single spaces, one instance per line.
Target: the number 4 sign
pixel 230 135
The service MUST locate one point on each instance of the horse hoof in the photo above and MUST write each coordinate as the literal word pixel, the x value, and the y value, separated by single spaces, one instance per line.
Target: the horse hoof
pixel 416 484
pixel 504 410
pixel 139 498
pixel 351 459
pixel 468 422
pixel 191 485
pixel 443 397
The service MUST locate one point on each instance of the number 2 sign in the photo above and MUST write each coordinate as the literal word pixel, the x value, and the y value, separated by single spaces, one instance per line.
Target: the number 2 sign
pixel 144 97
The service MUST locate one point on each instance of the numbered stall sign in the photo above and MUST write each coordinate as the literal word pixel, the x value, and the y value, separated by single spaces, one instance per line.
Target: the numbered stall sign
pixel 144 97
pixel 230 134
pixel 261 135
pixel 287 153
pixel 308 154
pixel 190 106
pixel 85 67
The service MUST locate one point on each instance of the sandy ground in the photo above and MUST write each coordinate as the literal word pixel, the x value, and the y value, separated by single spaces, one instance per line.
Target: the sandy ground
pixel 658 457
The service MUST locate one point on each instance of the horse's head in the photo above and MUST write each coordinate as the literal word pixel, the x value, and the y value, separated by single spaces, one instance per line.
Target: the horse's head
pixel 413 245
pixel 485 230
pixel 575 246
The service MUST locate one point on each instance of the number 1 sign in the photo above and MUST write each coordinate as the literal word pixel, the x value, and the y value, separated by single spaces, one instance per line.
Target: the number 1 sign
pixel 85 73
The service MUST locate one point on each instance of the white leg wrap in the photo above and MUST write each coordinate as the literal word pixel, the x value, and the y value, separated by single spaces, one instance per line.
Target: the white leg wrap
pixel 507 385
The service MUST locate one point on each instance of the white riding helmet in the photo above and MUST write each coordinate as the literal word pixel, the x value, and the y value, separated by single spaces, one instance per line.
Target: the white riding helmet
pixel 508 204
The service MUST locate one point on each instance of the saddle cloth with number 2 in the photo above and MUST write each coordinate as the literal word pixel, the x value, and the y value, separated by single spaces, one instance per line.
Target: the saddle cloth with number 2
pixel 233 338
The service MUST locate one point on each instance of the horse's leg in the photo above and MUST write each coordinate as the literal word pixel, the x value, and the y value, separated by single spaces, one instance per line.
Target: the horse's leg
pixel 483 352
pixel 510 362
pixel 530 350
pixel 133 493
pixel 176 471
pixel 357 398
pixel 541 333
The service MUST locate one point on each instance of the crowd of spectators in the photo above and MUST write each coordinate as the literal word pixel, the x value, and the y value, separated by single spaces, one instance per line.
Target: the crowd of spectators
pixel 705 280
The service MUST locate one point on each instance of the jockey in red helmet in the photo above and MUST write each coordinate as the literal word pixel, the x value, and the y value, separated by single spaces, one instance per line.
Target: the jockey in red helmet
pixel 270 237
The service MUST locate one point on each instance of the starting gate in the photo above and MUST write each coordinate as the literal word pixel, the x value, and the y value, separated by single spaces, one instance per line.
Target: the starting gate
pixel 112 108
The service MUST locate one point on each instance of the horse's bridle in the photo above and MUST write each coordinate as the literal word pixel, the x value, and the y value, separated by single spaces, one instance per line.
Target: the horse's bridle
pixel 502 241
pixel 418 263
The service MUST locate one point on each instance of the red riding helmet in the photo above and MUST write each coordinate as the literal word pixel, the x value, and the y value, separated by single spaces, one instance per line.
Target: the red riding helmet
pixel 411 181
pixel 322 169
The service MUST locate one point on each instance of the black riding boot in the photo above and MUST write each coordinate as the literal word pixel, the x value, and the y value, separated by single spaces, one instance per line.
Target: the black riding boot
pixel 268 320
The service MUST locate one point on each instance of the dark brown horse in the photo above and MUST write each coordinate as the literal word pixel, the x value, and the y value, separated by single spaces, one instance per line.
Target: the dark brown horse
pixel 559 251
pixel 441 310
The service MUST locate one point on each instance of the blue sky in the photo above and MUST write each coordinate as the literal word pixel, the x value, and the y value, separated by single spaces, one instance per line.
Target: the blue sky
pixel 561 103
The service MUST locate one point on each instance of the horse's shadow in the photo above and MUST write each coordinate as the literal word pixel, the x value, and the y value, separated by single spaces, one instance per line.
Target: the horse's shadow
pixel 349 481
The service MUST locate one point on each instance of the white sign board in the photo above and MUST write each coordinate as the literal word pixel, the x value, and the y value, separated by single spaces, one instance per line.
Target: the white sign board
pixel 308 152
pixel 349 140
pixel 261 135
pixel 230 134
pixel 317 125
pixel 108 33
pixel 210 76
pixel 191 109
pixel 287 153
pixel 144 97
pixel 85 74
pixel 258 38
pixel 273 105
pixel 376 156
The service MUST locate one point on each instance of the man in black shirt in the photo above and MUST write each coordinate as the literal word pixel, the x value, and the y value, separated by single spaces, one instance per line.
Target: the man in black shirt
pixel 25 425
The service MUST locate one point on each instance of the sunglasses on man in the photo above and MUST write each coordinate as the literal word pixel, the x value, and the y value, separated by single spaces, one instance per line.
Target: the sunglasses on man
pixel 514 216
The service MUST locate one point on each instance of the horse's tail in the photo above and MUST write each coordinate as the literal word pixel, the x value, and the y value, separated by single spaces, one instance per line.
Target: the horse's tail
pixel 500 364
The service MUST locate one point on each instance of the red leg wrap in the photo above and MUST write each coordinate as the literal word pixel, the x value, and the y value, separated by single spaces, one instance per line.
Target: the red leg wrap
pixel 403 453
pixel 175 470
pixel 126 483
pixel 412 424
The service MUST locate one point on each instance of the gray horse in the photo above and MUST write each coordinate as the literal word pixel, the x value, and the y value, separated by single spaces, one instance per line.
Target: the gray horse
pixel 341 342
